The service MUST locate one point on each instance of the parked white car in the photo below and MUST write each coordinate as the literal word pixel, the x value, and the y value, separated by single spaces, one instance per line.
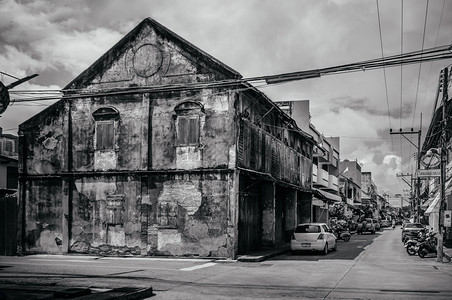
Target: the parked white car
pixel 313 236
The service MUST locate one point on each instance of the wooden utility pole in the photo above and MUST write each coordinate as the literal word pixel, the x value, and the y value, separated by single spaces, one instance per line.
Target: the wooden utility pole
pixel 442 204
pixel 416 200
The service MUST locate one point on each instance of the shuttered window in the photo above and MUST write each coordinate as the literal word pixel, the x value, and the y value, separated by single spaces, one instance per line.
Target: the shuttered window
pixel 8 146
pixel 188 130
pixel 105 135
pixel 167 215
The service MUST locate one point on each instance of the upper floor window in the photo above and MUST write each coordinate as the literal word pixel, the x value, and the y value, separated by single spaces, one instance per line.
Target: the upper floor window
pixel 187 130
pixel 8 146
pixel 105 135
pixel 105 118
pixel 188 123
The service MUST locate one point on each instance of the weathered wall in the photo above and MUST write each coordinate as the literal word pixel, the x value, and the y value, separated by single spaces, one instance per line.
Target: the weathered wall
pixel 217 131
pixel 131 134
pixel 106 215
pixel 156 215
pixel 43 216
pixel 197 222
pixel 268 214
pixel 44 141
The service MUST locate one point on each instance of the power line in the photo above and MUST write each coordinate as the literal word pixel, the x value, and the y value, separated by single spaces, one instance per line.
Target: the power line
pixel 401 67
pixel 436 43
pixel 437 53
pixel 401 75
pixel 420 65
pixel 384 74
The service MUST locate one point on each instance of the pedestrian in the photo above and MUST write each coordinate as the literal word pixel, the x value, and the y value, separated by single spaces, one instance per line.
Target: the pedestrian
pixel 393 223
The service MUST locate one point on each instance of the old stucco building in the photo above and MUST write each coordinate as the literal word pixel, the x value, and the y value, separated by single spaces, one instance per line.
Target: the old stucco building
pixel 159 149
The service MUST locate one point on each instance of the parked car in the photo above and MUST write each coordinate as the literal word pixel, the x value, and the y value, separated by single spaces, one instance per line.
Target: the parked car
pixel 377 225
pixel 385 223
pixel 411 229
pixel 367 225
pixel 313 236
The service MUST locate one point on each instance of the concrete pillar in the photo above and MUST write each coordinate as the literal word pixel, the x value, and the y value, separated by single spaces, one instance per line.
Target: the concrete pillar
pixel 67 214
pixel 268 213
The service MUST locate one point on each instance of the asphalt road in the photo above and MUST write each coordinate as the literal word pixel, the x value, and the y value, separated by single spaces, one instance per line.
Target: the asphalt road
pixel 345 250
pixel 367 267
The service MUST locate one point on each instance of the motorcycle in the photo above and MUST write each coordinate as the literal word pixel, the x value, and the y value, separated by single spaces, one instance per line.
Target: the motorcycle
pixel 412 244
pixel 342 234
pixel 427 246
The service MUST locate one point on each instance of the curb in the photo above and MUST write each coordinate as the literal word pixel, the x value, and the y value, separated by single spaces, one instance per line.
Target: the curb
pixel 259 258
pixel 51 293
pixel 124 293
pixel 447 257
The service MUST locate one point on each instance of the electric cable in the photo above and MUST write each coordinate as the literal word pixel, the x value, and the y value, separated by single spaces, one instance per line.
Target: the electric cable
pixel 437 53
pixel 420 64
pixel 384 74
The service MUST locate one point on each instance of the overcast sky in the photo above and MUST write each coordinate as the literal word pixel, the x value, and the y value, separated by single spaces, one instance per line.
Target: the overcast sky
pixel 59 39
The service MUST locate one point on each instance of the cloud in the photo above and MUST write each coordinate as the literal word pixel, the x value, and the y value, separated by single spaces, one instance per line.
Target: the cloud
pixel 60 38
pixel 38 37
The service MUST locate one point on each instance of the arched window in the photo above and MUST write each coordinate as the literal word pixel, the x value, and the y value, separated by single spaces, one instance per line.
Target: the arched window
pixel 105 118
pixel 188 123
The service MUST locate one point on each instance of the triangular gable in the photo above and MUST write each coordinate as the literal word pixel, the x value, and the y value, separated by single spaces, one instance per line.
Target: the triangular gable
pixel 148 55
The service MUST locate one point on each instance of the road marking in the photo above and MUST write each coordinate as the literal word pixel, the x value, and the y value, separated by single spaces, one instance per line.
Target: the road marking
pixel 198 267
pixel 59 260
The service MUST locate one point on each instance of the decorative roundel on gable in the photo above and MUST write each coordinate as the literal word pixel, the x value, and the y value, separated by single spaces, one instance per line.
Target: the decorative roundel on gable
pixel 147 60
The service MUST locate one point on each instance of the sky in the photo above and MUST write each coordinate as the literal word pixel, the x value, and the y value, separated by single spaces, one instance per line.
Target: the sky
pixel 58 39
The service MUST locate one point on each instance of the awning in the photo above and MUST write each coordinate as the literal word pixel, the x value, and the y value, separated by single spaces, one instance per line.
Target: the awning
pixel 432 205
pixel 433 202
pixel 326 195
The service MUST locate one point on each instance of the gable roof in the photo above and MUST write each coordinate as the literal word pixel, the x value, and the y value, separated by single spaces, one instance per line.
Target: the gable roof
pixel 106 59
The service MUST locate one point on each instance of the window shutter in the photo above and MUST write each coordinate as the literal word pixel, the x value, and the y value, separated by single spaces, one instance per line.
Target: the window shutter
pixel 105 136
pixel 187 130
pixel 182 131
pixel 193 131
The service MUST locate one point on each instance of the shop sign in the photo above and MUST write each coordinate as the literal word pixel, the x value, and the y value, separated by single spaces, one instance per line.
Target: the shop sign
pixel 429 173
pixel 447 218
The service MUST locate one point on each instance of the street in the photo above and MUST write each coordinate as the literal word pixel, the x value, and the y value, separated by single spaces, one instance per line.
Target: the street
pixel 368 267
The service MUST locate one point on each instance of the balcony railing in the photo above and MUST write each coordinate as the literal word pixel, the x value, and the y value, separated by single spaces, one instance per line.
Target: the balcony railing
pixel 322 177
pixel 333 183
pixel 260 151
pixel 314 174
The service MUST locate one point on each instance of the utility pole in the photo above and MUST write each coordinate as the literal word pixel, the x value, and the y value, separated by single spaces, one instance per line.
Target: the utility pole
pixel 443 154
pixel 411 188
pixel 417 200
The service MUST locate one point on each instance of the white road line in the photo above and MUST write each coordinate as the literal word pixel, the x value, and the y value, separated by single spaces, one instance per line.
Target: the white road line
pixel 60 260
pixel 198 267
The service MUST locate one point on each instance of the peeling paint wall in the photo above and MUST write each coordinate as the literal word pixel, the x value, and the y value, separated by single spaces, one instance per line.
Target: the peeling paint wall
pixel 45 141
pixel 130 134
pixel 106 216
pixel 198 221
pixel 268 214
pixel 43 214
pixel 216 131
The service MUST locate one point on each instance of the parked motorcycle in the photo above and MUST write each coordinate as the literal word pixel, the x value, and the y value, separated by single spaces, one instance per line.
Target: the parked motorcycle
pixel 427 246
pixel 412 244
pixel 342 234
